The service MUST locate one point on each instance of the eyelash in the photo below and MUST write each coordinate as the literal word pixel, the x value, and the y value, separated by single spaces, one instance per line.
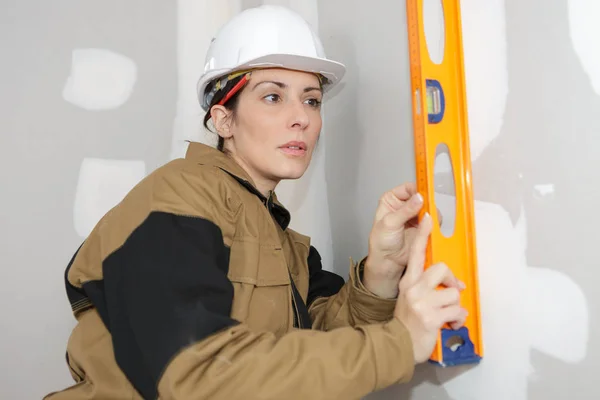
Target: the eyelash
pixel 317 103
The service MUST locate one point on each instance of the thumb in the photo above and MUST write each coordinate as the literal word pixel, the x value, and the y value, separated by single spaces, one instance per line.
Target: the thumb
pixel 396 220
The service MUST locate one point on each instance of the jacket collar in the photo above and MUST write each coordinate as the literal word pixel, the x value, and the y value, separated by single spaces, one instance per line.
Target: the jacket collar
pixel 208 155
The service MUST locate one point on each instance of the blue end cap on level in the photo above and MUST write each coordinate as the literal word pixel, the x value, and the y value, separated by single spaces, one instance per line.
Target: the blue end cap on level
pixel 463 354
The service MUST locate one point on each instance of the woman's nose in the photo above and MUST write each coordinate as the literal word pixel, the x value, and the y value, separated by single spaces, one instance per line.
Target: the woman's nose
pixel 299 116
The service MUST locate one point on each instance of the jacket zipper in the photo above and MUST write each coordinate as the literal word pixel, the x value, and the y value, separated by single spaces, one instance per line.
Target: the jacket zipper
pixel 297 322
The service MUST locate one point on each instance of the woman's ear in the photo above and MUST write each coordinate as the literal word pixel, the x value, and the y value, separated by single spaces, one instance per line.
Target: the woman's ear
pixel 222 120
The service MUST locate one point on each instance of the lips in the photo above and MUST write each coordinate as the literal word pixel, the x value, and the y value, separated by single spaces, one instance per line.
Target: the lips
pixel 294 148
pixel 295 145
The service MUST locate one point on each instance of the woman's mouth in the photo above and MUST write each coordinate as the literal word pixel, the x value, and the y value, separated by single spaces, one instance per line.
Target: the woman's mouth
pixel 294 148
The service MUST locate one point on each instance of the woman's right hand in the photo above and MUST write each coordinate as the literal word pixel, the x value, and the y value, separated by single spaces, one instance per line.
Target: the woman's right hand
pixel 421 306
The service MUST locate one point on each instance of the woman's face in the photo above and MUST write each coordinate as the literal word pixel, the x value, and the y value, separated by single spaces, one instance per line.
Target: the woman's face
pixel 276 125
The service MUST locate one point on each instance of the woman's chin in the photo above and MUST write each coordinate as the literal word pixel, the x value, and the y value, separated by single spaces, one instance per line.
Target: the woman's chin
pixel 296 172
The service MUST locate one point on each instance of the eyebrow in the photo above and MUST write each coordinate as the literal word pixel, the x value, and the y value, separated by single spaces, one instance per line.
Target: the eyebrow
pixel 284 86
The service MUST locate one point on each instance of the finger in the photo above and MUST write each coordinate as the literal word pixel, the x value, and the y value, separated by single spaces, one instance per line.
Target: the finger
pixel 413 222
pixel 458 324
pixel 395 221
pixel 404 191
pixel 439 274
pixel 445 297
pixel 455 316
pixel 395 198
pixel 416 259
pixel 409 235
pixel 460 321
pixel 440 216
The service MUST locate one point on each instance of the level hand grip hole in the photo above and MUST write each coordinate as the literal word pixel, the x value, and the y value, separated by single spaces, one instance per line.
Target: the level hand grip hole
pixel 454 342
pixel 445 194
pixel 434 27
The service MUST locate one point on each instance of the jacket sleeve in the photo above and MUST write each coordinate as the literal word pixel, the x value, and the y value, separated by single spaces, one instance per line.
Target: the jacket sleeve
pixel 332 303
pixel 167 306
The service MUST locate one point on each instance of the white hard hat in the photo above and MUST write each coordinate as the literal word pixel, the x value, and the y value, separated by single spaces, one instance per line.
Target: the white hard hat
pixel 265 37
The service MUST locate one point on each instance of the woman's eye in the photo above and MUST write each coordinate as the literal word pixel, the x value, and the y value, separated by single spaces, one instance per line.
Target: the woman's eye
pixel 314 103
pixel 272 98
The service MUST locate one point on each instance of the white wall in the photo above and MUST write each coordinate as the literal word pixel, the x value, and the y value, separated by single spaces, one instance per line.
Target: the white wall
pixel 96 95
pixel 525 87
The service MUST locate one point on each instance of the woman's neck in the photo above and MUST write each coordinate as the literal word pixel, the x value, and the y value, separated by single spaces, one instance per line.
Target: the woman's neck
pixel 264 185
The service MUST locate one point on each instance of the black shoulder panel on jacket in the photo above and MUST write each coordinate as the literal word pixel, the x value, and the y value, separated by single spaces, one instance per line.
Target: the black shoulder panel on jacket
pixel 164 289
pixel 321 283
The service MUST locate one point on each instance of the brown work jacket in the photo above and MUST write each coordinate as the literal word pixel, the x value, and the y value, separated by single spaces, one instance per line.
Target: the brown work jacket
pixel 194 287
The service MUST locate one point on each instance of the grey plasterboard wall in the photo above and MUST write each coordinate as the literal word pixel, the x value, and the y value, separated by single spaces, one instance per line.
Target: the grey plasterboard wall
pixel 530 77
pixel 45 140
pixel 534 102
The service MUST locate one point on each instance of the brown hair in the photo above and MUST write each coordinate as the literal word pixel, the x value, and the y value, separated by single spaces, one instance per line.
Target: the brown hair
pixel 231 105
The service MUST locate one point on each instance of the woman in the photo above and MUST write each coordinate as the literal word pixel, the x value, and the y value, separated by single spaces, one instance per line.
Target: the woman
pixel 194 286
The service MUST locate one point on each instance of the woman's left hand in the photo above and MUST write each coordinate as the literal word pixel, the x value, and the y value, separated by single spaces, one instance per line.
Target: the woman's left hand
pixel 394 228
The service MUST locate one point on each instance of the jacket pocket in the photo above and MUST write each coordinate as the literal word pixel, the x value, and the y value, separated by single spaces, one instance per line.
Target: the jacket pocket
pixel 261 281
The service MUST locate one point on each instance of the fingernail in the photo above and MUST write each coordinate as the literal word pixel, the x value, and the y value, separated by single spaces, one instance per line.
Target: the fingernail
pixel 416 200
pixel 461 284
